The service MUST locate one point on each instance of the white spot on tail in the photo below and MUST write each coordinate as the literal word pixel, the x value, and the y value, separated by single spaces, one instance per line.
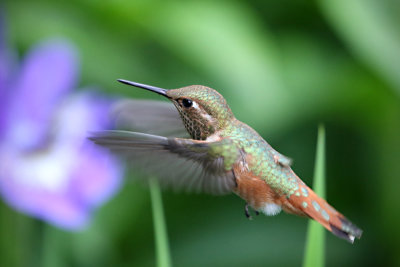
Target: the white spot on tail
pixel 271 209
pixel 325 215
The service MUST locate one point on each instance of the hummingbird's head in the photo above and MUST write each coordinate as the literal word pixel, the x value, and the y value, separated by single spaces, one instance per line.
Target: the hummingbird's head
pixel 203 110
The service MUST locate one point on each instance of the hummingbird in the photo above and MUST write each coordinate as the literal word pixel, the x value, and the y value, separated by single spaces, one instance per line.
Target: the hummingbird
pixel 220 155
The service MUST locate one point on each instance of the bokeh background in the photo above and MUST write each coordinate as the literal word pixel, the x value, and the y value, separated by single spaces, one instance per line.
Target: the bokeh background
pixel 284 67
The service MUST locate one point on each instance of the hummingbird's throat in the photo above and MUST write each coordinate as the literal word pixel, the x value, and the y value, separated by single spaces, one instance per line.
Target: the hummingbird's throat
pixel 198 126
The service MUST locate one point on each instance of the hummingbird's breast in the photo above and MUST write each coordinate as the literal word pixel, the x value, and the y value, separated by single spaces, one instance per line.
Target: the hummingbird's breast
pixel 251 188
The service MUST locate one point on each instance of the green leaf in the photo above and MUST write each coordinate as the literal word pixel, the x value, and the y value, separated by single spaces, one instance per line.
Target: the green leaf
pixel 160 229
pixel 315 244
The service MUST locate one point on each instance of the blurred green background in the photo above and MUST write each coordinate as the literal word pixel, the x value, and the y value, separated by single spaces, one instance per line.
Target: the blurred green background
pixel 283 66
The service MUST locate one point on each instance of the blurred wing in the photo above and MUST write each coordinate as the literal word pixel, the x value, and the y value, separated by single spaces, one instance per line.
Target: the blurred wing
pixel 186 164
pixel 149 116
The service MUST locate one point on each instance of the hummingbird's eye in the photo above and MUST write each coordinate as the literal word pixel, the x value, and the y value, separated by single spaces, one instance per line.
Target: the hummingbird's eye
pixel 187 103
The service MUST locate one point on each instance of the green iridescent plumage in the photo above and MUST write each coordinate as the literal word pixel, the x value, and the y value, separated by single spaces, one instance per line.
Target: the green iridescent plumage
pixel 220 118
pixel 223 155
pixel 270 166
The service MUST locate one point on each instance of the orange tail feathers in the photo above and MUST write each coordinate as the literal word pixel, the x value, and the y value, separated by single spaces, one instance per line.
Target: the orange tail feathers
pixel 307 202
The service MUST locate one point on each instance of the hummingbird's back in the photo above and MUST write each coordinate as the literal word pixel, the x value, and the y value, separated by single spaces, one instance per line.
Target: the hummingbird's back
pixel 263 161
pixel 266 181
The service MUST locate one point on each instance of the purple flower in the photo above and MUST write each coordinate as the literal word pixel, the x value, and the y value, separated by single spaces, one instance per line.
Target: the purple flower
pixel 48 168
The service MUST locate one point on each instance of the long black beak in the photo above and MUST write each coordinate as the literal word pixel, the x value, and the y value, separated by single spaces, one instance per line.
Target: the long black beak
pixel 154 89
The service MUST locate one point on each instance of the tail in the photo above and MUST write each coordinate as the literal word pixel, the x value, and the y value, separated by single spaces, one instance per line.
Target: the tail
pixel 307 202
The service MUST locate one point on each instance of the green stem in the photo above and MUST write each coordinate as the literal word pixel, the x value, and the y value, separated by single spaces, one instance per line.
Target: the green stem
pixel 10 253
pixel 160 231
pixel 53 243
pixel 315 243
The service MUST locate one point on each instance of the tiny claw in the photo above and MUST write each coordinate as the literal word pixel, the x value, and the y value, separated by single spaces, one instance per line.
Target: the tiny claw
pixel 247 213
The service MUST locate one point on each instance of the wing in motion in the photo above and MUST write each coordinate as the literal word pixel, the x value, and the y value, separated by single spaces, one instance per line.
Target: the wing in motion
pixel 179 163
pixel 149 116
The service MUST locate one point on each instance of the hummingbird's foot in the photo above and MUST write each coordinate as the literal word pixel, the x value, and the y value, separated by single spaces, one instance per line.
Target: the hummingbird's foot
pixel 257 213
pixel 247 213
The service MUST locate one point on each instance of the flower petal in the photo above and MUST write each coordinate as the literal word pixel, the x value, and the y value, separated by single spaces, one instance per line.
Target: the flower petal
pixel 64 184
pixel 98 174
pixel 47 74
pixel 7 68
pixel 55 207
